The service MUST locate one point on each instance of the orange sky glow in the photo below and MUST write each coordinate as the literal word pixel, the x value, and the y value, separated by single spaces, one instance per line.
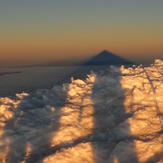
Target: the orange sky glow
pixel 48 31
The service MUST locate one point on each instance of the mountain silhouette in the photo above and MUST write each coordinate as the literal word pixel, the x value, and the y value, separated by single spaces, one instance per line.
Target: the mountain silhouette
pixel 107 58
pixel 103 58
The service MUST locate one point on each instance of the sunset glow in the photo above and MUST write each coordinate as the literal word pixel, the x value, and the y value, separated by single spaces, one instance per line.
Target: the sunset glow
pixel 46 30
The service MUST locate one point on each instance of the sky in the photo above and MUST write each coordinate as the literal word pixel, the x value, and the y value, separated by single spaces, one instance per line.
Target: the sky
pixel 38 31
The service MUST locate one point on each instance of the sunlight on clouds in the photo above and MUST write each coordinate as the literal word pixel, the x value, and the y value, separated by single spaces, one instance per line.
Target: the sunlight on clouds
pixel 112 118
pixel 83 152
pixel 6 115
pixel 150 150
pixel 76 124
pixel 27 152
pixel 4 145
pixel 142 98
pixel 70 127
pixel 115 160
pixel 4 150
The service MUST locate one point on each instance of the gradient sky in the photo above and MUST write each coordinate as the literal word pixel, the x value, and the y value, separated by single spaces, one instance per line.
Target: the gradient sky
pixel 40 30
